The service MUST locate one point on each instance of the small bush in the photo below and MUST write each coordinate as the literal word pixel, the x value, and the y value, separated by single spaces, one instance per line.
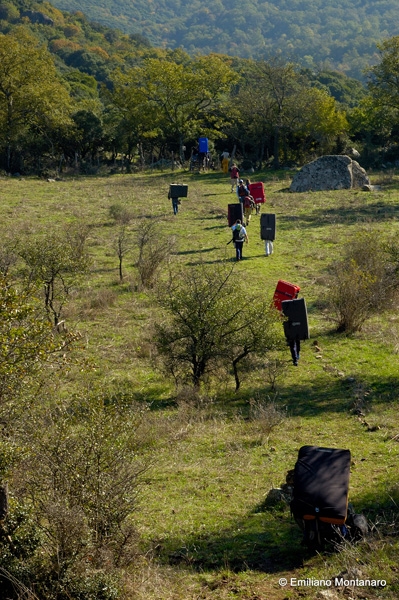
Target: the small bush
pixel 120 214
pixel 363 283
pixel 266 415
pixel 154 251
pixel 275 369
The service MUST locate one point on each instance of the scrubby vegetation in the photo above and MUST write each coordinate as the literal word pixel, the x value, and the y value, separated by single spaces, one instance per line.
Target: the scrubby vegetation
pixel 127 479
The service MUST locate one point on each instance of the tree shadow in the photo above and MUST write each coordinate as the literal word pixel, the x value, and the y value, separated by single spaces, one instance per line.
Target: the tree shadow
pixel 217 261
pixel 199 251
pixel 268 542
pixel 345 215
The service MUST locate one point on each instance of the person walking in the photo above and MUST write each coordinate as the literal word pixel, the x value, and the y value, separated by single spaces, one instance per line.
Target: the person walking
pixel 248 203
pixel 295 348
pixel 225 157
pixel 239 237
pixel 234 177
pixel 242 190
pixel 175 203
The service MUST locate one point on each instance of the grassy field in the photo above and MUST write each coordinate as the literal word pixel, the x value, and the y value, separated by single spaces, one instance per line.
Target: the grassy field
pixel 205 528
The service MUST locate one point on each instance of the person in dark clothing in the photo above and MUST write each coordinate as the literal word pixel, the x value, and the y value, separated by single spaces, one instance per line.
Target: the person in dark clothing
pixel 239 237
pixel 295 348
pixel 175 203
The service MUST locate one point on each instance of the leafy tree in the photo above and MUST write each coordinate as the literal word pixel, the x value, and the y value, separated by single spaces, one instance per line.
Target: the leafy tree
pixel 178 95
pixel 278 112
pixel 281 84
pixel 31 95
pixel 347 91
pixel 89 133
pixel 380 110
pixel 371 128
pixel 207 324
pixel 81 85
pixel 127 123
pixel 384 77
pixel 28 345
pixel 319 122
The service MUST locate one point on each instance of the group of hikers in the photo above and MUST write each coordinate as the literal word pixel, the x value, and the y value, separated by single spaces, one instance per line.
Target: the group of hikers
pixel 239 228
pixel 240 236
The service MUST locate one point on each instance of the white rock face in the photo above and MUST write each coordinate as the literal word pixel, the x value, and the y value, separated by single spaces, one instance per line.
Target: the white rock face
pixel 333 172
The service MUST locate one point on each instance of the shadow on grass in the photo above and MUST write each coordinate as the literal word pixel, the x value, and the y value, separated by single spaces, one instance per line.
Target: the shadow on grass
pixel 326 393
pixel 344 215
pixel 198 251
pixel 268 542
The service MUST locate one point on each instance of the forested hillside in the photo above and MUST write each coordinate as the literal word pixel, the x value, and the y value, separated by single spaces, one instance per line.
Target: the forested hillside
pixel 338 34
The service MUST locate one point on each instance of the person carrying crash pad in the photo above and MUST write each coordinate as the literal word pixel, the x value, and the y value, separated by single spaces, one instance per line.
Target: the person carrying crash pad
pixel 239 237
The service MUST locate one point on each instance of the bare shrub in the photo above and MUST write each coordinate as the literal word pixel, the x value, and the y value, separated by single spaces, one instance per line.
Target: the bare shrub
pixel 82 479
pixel 266 415
pixel 57 260
pixel 363 283
pixel 122 245
pixel 193 407
pixel 155 248
pixel 189 396
pixel 8 251
pixel 275 368
pixel 121 214
pixel 102 299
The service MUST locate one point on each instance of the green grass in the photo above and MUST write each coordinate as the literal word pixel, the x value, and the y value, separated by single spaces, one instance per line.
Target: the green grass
pixel 205 529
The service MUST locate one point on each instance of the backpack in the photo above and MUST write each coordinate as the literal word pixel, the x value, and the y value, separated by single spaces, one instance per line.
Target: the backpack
pixel 238 234
pixel 319 502
pixel 248 202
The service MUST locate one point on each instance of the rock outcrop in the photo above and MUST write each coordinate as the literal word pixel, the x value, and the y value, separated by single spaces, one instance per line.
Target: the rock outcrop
pixel 334 172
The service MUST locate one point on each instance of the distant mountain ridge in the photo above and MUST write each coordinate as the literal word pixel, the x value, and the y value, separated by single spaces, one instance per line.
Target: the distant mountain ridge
pixel 328 33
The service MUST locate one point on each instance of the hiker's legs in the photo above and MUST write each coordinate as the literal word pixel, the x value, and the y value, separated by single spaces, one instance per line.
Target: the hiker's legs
pixel 294 349
pixel 239 246
pixel 268 247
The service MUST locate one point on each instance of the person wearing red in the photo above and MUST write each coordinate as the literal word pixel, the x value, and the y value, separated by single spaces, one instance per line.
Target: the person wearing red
pixel 234 177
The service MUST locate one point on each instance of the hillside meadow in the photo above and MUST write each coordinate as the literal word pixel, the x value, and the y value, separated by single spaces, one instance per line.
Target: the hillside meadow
pixel 204 527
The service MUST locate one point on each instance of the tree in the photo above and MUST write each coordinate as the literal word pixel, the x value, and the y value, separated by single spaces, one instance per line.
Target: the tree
pixel 383 80
pixel 89 135
pixel 319 121
pixel 178 95
pixel 122 245
pixel 376 121
pixel 207 324
pixel 282 84
pixel 56 261
pixel 28 345
pixel 31 95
